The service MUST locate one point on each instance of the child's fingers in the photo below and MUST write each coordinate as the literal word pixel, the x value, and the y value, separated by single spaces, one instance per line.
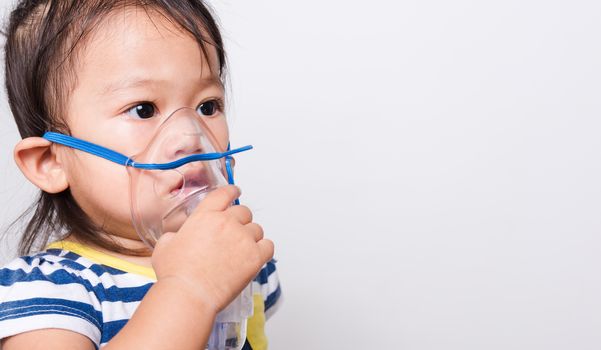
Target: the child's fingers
pixel 218 199
pixel 242 214
pixel 266 250
pixel 256 230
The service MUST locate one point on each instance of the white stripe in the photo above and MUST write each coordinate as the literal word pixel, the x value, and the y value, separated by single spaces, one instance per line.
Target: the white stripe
pixel 118 310
pixel 124 280
pixel 53 309
pixel 274 308
pixel 37 322
pixel 271 286
pixel 83 261
pixel 111 310
pixel 45 289
pixel 127 280
pixel 61 257
pixel 47 267
pixel 256 288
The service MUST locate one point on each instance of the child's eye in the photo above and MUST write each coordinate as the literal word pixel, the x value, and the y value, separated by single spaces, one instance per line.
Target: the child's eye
pixel 143 110
pixel 209 108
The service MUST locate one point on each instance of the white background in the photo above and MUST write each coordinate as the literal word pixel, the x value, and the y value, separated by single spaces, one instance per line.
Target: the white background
pixel 429 170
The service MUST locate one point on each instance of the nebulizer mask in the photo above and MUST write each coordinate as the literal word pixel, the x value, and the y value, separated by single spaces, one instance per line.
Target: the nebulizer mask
pixel 181 164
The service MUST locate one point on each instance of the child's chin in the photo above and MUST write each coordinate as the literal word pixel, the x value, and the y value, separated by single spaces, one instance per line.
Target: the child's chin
pixel 174 222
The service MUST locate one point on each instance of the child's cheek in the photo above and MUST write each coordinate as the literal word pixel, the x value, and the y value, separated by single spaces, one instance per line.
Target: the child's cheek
pixel 101 188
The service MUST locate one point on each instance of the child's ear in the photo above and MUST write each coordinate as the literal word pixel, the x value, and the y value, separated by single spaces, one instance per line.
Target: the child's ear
pixel 39 164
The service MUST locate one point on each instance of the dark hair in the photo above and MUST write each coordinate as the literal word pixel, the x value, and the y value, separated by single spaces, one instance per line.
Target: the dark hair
pixel 43 40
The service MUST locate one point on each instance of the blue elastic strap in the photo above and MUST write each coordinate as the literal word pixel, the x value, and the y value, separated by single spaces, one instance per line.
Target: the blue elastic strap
pixel 119 158
pixel 230 173
pixel 86 147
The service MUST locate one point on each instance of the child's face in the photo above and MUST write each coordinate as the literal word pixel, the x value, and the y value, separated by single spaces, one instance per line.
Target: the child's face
pixel 131 75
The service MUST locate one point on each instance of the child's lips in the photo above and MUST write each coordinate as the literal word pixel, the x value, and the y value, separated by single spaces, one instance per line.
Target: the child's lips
pixel 191 180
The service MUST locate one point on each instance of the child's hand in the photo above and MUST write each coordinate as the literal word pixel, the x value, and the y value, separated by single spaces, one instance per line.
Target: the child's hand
pixel 217 251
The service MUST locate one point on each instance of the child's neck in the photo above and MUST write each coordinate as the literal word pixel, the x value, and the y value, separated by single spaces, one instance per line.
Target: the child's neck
pixel 125 242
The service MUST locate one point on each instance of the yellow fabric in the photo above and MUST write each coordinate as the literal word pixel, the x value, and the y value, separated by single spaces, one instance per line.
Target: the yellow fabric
pixel 256 324
pixel 103 258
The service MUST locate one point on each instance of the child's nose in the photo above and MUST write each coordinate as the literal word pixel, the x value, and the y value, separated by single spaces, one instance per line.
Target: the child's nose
pixel 186 145
pixel 184 139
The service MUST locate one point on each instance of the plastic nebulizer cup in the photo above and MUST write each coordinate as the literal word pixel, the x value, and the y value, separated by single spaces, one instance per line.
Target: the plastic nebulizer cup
pixel 162 199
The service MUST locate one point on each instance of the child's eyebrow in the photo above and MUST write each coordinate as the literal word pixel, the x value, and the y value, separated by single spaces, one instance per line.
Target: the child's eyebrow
pixel 126 84
pixel 129 83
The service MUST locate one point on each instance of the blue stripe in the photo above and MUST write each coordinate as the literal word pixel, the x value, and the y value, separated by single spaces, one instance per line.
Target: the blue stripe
pixel 72 265
pixel 71 256
pixel 9 277
pixel 273 298
pixel 60 277
pixel 265 272
pixel 125 295
pixel 247 345
pixel 30 259
pixel 111 329
pixel 43 306
pixel 69 260
pixel 40 259
pixel 101 269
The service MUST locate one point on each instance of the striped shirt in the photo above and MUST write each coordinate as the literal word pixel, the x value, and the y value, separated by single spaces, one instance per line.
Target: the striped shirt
pixel 71 286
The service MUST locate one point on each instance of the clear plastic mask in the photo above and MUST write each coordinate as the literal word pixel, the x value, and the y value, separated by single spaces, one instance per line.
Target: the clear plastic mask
pixel 161 200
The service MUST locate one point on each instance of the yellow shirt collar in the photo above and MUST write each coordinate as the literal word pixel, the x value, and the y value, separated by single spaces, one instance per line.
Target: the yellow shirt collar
pixel 103 258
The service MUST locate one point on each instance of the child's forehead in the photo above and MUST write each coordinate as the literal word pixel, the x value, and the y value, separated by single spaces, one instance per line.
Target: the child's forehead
pixel 134 48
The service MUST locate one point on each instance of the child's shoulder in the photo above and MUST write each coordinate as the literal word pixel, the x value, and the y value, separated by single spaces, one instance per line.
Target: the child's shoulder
pixel 63 273
pixel 59 288
pixel 54 265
